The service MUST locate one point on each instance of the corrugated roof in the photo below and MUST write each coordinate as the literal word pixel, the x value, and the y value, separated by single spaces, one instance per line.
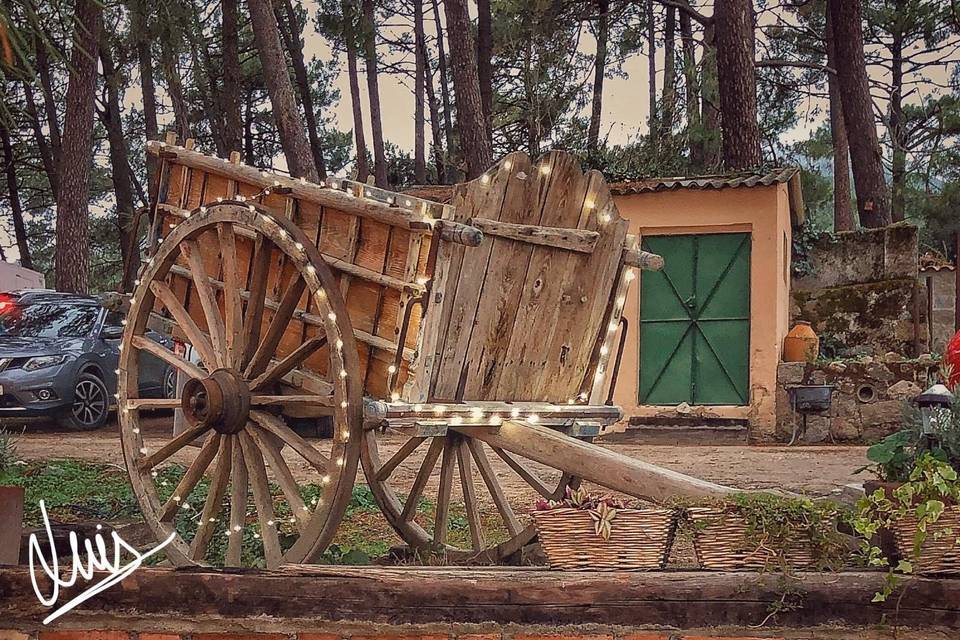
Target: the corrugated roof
pixel 716 181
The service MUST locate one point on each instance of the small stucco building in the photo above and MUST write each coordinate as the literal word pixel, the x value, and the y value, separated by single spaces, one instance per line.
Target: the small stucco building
pixel 704 335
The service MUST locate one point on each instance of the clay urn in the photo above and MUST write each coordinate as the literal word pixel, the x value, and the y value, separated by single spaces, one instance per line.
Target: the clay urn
pixel 801 344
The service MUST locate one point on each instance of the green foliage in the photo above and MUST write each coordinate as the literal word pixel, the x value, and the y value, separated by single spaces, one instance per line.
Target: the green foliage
pixel 8 454
pixel 930 488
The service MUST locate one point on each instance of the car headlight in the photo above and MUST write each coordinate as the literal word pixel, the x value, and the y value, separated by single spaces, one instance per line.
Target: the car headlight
pixel 42 362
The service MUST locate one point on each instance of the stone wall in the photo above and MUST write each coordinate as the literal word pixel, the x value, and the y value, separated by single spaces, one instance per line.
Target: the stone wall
pixel 862 296
pixel 942 287
pixel 868 401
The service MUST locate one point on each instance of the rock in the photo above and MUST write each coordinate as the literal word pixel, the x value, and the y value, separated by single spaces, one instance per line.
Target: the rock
pixel 904 390
pixel 837 367
pixel 818 430
pixel 884 412
pixel 926 359
pixel 791 372
pixel 866 360
pixel 892 356
pixel 878 371
pixel 818 377
pixel 683 409
pixel 845 428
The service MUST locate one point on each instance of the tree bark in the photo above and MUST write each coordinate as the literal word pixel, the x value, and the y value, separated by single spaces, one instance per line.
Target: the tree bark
pixel 444 93
pixel 652 72
pixel 249 156
pixel 363 170
pixel 232 123
pixel 373 94
pixel 485 61
pixel 419 152
pixel 72 248
pixel 120 170
pixel 171 72
pixel 842 214
pixel 477 151
pixel 710 99
pixel 13 196
pixel 668 110
pixel 293 140
pixel 897 120
pixel 435 129
pixel 737 79
pixel 691 91
pixel 49 100
pixel 148 89
pixel 599 69
pixel 291 35
pixel 865 157
pixel 43 146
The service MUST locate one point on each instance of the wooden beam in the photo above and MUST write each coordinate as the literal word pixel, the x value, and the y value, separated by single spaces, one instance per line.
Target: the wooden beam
pixel 595 463
pixel 642 260
pixel 579 240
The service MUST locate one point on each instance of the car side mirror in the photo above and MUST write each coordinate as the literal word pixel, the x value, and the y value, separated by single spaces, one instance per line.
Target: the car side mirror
pixel 111 333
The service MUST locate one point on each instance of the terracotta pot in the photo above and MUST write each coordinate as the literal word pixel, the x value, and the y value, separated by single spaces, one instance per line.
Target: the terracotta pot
pixel 801 344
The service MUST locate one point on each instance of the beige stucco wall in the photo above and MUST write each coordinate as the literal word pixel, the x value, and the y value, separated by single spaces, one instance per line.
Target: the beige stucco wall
pixel 763 212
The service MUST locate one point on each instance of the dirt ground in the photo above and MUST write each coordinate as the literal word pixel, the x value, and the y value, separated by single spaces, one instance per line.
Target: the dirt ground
pixel 816 471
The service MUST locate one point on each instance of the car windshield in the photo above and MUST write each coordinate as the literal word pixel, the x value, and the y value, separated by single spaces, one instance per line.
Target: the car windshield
pixel 47 320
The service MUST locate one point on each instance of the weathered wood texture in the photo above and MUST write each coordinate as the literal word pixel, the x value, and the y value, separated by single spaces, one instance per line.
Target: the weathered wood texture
pixel 682 600
pixel 372 246
pixel 522 312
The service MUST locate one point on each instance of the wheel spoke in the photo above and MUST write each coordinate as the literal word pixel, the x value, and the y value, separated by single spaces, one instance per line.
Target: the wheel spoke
pixel 300 400
pixel 289 363
pixel 253 319
pixel 263 501
pixel 190 329
pixel 278 325
pixel 442 514
pixel 214 501
pixel 167 450
pixel 140 404
pixel 208 299
pixel 465 464
pixel 232 302
pixel 190 479
pixel 282 474
pixel 238 507
pixel 527 476
pixel 493 486
pixel 402 454
pixel 429 462
pixel 151 346
pixel 278 427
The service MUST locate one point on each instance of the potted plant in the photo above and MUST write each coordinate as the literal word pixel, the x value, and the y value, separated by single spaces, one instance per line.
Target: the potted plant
pixel 593 532
pixel 761 531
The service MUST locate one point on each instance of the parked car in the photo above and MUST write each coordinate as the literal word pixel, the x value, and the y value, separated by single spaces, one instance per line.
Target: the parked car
pixel 58 358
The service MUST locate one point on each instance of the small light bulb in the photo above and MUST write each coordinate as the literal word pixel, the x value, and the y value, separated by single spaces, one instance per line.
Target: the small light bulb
pixel 418 408
pixel 533 418
pixel 395 397
pixel 456 420
pixel 629 275
pixel 392 369
pixel 515 413
pixel 440 409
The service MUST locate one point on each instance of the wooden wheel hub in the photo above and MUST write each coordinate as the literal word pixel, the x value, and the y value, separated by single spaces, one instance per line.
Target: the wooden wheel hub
pixel 220 401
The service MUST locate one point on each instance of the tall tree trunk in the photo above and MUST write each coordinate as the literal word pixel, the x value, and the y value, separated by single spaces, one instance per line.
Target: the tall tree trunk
pixel 171 71
pixel 293 140
pixel 691 86
pixel 72 248
pixel 13 196
pixel 669 70
pixel 445 93
pixel 842 214
pixel 710 99
pixel 599 69
pixel 652 72
pixel 363 170
pixel 232 123
pixel 419 152
pixel 865 157
pixel 477 151
pixel 49 100
pixel 120 170
pixel 485 61
pixel 290 30
pixel 738 83
pixel 204 77
pixel 435 129
pixel 897 121
pixel 43 147
pixel 249 156
pixel 373 94
pixel 148 89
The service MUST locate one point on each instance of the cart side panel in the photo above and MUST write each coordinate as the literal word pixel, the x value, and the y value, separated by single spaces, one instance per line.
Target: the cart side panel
pixel 521 319
pixel 378 249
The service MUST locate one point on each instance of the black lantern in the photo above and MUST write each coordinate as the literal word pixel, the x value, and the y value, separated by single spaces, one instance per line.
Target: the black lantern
pixel 934 403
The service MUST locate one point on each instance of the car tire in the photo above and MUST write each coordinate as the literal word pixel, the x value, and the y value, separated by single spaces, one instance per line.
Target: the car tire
pixel 168 388
pixel 91 405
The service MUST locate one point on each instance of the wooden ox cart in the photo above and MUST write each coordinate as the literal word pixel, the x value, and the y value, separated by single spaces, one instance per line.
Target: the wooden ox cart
pixel 483 328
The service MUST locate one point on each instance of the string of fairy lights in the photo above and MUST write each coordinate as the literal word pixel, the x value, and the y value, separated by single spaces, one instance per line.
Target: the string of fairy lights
pixel 473 415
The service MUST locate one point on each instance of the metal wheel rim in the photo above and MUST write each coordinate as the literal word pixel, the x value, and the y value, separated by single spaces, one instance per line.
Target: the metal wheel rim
pixel 89 400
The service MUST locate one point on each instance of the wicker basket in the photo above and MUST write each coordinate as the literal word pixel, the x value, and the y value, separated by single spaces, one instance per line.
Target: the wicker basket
pixel 640 539
pixel 720 543
pixel 939 553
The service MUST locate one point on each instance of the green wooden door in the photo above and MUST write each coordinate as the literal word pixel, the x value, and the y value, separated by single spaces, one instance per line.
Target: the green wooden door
pixel 695 321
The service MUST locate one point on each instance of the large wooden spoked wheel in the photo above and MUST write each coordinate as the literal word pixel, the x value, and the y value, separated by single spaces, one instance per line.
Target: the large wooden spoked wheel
pixel 496 529
pixel 250 505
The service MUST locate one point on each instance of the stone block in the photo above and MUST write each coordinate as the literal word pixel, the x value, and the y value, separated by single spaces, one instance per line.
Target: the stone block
pixel 791 372
pixel 904 390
